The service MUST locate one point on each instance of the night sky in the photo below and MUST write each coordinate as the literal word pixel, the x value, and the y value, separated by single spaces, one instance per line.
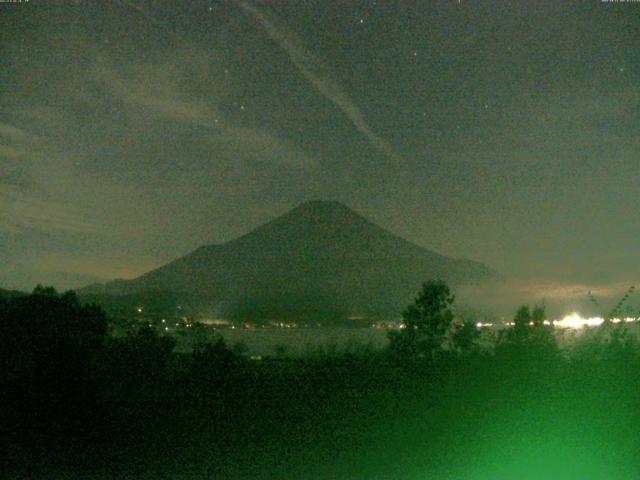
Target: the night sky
pixel 133 132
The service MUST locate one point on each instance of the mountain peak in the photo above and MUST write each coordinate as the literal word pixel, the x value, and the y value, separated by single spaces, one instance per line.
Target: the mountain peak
pixel 319 203
pixel 323 210
pixel 322 206
pixel 320 259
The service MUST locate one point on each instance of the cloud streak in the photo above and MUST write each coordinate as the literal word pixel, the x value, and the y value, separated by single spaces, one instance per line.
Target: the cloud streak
pixel 23 203
pixel 19 211
pixel 149 90
pixel 317 74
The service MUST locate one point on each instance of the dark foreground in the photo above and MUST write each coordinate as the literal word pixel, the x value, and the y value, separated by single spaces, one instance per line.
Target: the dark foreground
pixel 89 406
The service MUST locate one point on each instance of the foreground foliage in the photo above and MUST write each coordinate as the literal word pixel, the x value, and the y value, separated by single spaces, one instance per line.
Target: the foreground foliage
pixel 79 404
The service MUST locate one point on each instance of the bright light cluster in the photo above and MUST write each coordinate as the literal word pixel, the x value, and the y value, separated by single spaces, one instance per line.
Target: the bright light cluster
pixel 576 321
pixel 573 320
pixel 483 324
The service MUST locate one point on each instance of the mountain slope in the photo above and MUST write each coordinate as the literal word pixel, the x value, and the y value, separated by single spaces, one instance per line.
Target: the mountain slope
pixel 321 259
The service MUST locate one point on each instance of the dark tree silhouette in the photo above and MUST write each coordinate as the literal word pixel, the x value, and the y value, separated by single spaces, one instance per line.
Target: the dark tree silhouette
pixel 49 344
pixel 426 322
pixel 529 334
pixel 464 337
pixel 137 364
pixel 46 337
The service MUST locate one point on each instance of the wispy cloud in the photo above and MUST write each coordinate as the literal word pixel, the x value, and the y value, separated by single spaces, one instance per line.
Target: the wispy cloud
pixel 23 205
pixel 318 75
pixel 20 211
pixel 256 145
pixel 149 89
pixel 12 157
pixel 11 133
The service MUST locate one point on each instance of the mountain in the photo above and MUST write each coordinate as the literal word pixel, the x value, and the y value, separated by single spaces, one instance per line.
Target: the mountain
pixel 320 260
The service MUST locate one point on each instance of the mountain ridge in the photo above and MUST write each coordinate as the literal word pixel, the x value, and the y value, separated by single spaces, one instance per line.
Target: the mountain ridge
pixel 319 258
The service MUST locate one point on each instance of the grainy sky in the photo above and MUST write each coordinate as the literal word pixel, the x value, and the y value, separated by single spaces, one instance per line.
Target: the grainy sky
pixel 132 132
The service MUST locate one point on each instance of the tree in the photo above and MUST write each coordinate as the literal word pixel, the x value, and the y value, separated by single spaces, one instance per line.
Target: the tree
pixel 49 336
pixel 528 335
pixel 426 322
pixel 464 337
pixel 519 335
pixel 49 347
pixel 136 366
